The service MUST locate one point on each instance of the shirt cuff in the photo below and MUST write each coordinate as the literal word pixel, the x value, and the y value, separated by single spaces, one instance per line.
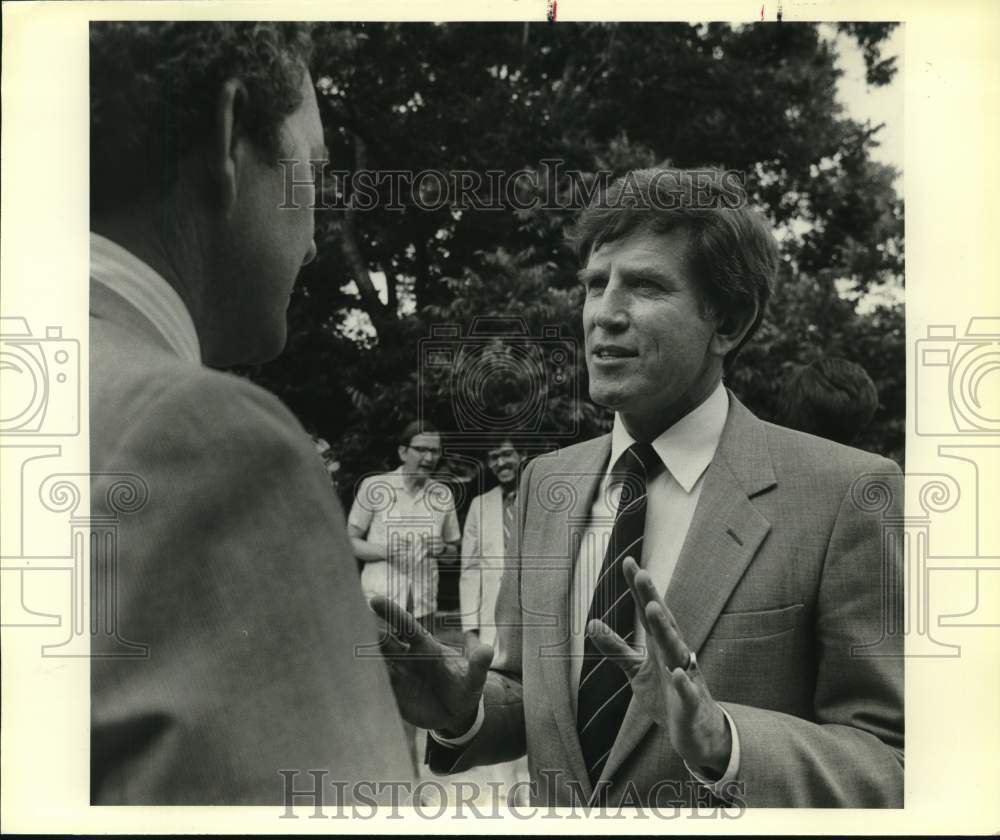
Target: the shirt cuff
pixel 732 769
pixel 462 740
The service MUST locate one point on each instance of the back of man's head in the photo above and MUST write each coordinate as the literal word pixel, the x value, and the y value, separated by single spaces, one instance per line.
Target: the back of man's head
pixel 192 127
pixel 832 398
pixel 732 253
pixel 154 88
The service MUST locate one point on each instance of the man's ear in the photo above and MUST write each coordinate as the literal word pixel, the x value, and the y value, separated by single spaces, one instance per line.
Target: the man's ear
pixel 730 329
pixel 401 450
pixel 228 153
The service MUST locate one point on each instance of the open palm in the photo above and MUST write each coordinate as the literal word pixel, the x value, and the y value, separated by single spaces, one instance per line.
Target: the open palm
pixel 436 687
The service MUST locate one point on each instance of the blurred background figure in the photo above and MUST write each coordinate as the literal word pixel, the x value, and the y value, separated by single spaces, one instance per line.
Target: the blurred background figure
pixel 831 398
pixel 402 523
pixel 489 535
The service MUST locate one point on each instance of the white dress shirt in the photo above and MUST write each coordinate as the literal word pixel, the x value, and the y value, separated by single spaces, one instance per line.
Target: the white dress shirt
pixel 130 278
pixel 686 449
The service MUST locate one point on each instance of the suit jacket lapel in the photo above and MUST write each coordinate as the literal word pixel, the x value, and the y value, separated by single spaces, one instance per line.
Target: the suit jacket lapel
pixel 562 531
pixel 724 536
pixel 726 530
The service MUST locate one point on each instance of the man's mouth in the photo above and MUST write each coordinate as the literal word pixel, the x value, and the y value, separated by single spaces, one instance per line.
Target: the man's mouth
pixel 610 352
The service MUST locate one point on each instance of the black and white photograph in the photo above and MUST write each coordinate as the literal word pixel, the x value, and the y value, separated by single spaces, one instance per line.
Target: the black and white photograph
pixel 502 420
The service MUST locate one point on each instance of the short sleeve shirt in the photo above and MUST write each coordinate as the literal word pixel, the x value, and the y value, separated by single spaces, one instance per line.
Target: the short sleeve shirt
pixel 388 514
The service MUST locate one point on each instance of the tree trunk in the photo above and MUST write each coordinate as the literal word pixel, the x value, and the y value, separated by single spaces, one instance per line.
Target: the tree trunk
pixel 350 246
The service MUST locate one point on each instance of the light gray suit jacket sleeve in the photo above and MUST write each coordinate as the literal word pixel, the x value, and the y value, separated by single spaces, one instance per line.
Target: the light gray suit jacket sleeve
pixel 239 577
pixel 502 736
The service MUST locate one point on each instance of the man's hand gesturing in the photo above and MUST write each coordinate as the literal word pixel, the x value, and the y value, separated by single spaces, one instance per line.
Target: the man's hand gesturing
pixel 436 686
pixel 667 680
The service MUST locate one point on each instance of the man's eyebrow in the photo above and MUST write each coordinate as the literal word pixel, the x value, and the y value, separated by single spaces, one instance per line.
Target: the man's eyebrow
pixel 666 278
pixel 653 273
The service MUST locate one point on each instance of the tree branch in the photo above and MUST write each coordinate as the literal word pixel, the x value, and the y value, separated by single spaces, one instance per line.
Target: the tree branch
pixel 351 249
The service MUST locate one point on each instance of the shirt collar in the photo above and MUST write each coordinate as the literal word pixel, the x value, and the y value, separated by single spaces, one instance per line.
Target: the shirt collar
pixel 401 481
pixel 130 278
pixel 688 446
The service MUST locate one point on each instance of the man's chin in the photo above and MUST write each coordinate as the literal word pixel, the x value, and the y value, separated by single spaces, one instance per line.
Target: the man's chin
pixel 607 394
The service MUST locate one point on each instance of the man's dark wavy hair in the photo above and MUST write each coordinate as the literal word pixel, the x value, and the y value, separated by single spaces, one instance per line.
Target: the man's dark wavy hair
pixel 731 251
pixel 154 88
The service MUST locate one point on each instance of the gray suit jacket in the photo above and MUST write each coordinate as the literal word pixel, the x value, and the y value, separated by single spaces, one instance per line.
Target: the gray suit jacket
pixel 788 590
pixel 238 576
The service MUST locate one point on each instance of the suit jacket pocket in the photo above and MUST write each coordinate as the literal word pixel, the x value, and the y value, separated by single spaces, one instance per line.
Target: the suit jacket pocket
pixel 756 624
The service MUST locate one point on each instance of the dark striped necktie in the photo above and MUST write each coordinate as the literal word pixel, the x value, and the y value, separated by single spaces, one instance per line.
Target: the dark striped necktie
pixel 605 691
pixel 509 509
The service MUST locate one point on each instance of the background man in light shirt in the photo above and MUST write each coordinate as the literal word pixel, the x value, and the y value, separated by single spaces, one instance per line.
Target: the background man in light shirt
pixel 236 574
pixel 487 537
pixel 402 523
pixel 708 611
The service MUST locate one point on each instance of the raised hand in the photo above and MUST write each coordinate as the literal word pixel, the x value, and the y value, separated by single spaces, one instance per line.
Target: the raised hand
pixel 666 680
pixel 436 687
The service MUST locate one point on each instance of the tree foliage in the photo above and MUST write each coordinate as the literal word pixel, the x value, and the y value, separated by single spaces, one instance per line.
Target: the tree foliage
pixel 760 99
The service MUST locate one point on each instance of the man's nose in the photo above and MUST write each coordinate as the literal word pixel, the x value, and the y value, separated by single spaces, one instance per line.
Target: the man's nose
pixel 612 308
pixel 310 254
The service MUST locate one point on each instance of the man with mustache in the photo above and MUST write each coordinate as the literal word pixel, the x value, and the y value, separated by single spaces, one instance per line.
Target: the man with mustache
pixel 488 536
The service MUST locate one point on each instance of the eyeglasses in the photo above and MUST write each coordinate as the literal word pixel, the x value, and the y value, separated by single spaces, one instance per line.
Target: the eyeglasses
pixel 424 450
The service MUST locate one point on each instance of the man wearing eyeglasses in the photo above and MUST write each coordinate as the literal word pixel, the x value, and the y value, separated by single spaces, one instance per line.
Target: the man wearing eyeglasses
pixel 403 522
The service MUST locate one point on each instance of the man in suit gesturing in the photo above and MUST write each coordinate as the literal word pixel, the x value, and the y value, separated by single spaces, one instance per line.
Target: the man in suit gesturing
pixel 709 607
